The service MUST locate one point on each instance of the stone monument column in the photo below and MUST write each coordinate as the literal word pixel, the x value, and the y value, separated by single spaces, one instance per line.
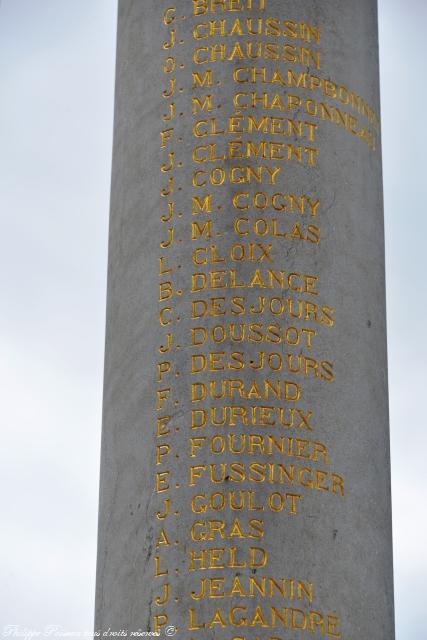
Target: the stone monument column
pixel 245 474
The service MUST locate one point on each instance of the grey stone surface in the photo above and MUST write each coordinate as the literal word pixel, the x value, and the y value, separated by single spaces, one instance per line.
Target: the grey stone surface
pixel 332 558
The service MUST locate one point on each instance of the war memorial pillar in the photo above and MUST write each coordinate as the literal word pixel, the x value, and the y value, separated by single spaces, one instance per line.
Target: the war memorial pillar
pixel 245 481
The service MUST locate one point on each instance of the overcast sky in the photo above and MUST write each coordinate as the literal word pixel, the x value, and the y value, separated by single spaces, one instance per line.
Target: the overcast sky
pixel 56 110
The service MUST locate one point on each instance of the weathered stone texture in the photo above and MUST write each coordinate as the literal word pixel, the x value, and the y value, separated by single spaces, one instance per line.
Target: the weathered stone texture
pixel 290 291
